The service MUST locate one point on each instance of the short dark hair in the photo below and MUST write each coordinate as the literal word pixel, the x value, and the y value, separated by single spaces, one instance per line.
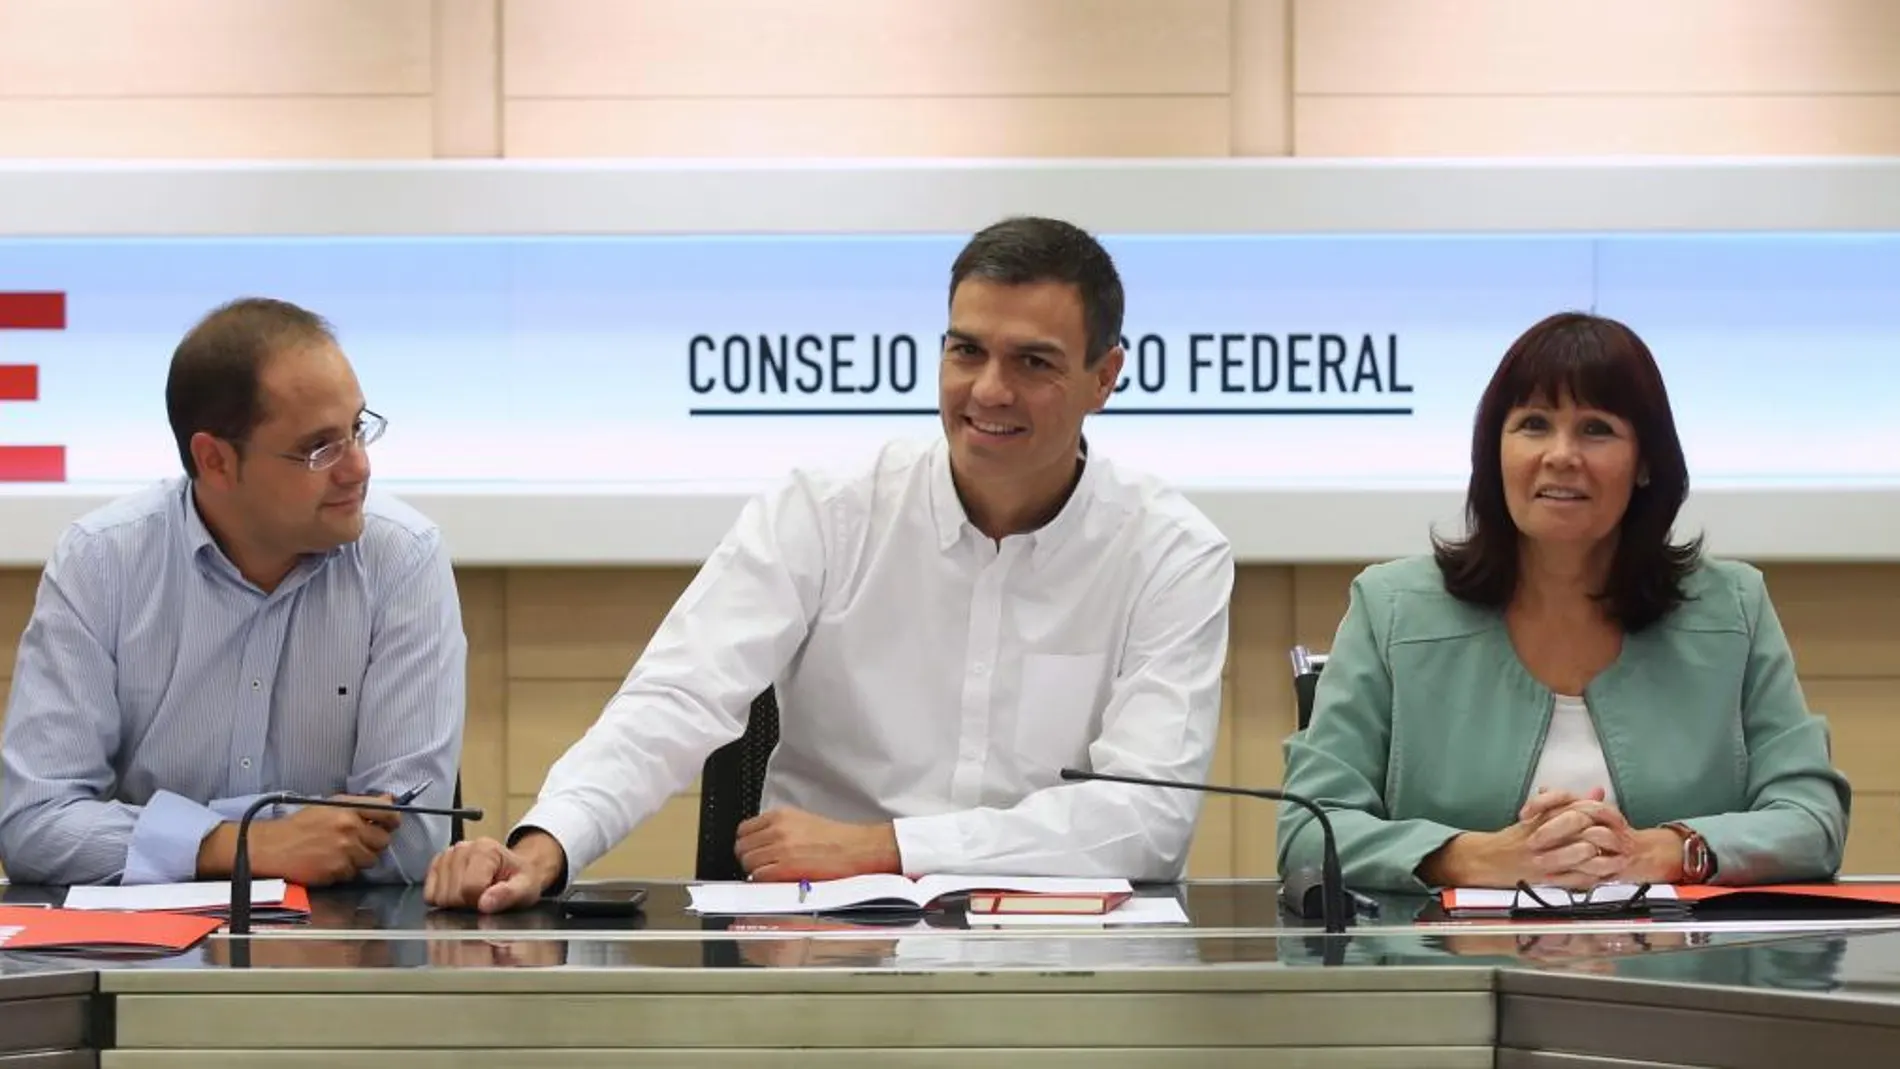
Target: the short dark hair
pixel 1601 363
pixel 1026 249
pixel 212 386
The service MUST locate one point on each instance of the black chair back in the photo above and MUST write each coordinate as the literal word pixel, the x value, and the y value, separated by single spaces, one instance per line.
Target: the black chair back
pixel 1306 669
pixel 729 787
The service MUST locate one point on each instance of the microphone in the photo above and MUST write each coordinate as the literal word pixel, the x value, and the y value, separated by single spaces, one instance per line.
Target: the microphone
pixel 1336 904
pixel 240 923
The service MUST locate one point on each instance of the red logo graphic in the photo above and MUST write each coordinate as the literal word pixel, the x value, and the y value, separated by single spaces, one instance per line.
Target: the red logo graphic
pixel 21 382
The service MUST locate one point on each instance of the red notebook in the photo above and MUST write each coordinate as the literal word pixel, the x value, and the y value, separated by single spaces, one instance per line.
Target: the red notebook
pixel 100 931
pixel 1083 902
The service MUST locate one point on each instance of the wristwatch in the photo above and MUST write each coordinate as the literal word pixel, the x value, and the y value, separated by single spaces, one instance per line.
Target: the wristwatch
pixel 1698 861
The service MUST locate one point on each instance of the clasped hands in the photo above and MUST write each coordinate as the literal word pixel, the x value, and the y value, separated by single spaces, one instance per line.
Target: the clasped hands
pixel 1560 839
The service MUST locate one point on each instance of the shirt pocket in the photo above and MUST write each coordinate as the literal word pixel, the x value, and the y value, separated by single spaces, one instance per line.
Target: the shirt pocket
pixel 1058 711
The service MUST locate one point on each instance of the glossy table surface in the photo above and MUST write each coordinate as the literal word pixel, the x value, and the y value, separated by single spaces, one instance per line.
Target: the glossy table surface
pixel 1740 991
pixel 1232 924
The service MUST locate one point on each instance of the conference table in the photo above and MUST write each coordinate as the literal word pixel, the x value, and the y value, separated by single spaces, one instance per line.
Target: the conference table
pixel 376 978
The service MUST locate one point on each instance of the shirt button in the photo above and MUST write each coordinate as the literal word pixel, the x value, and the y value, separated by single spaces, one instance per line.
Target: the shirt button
pixel 979 668
pixel 256 683
pixel 244 762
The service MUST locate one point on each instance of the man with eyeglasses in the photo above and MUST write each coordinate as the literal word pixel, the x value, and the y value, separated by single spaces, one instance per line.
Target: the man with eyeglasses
pixel 263 623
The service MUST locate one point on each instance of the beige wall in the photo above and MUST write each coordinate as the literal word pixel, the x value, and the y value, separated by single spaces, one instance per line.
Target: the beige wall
pixel 411 78
pixel 470 78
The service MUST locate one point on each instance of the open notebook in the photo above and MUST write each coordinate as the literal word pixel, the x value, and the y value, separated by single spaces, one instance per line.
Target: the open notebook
pixel 886 892
pixel 91 932
pixel 271 900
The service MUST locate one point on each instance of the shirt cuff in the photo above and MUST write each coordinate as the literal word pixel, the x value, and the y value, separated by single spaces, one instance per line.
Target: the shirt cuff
pixel 166 838
pixel 571 828
pixel 930 844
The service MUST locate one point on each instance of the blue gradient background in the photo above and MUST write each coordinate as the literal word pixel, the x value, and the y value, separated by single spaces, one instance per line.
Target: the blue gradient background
pixel 564 361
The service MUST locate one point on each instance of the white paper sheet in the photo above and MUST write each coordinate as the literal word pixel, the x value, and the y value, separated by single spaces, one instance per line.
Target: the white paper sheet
pixel 196 896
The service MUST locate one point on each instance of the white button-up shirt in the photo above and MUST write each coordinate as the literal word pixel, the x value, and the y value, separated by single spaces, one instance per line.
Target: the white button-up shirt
pixel 930 676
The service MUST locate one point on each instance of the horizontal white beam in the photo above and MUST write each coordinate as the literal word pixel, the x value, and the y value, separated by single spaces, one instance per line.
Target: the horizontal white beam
pixel 632 525
pixel 1289 196
pixel 1265 526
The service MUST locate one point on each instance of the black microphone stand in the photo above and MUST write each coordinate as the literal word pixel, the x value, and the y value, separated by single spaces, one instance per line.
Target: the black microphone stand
pixel 240 923
pixel 1336 908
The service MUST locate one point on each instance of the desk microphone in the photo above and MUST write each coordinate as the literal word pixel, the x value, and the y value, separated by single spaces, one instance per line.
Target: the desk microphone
pixel 240 923
pixel 1336 906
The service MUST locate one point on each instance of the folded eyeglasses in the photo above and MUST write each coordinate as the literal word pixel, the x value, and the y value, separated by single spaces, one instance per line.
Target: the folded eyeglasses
pixel 1590 903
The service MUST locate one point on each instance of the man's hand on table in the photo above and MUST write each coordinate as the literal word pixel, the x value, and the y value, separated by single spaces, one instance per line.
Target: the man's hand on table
pixel 485 875
pixel 791 844
pixel 316 846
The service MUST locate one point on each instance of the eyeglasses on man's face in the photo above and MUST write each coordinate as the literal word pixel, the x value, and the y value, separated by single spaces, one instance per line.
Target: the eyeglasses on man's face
pixel 369 427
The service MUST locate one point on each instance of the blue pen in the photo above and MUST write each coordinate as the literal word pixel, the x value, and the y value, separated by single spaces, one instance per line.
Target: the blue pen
pixel 413 793
pixel 804 888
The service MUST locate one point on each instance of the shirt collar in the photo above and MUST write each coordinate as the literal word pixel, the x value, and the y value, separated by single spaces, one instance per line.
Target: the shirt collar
pixel 947 508
pixel 201 547
pixel 197 535
pixel 1051 536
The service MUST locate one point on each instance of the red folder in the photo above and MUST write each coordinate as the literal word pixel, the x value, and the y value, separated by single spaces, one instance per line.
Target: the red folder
pixel 93 931
pixel 1712 898
pixel 1866 893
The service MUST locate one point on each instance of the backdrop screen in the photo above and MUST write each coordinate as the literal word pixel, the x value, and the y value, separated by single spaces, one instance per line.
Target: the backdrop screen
pixel 623 363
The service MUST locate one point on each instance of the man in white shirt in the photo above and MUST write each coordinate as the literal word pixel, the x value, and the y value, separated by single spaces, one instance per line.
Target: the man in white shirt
pixel 946 629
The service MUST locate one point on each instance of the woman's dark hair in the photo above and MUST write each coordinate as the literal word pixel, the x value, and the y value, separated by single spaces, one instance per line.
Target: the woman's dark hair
pixel 1599 363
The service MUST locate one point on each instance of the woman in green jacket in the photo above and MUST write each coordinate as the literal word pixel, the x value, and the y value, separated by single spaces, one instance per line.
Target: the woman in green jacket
pixel 1564 697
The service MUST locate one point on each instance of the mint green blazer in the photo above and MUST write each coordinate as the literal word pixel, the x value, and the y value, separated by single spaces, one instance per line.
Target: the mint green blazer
pixel 1426 724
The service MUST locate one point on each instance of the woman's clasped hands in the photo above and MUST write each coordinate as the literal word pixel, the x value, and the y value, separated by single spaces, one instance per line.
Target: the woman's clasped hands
pixel 1560 839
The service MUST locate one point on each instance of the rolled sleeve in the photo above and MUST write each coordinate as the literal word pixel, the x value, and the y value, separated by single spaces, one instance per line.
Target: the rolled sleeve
pixel 730 635
pixel 572 827
pixel 1795 827
pixel 1341 762
pixel 165 839
pixel 932 844
pixel 62 730
pixel 414 692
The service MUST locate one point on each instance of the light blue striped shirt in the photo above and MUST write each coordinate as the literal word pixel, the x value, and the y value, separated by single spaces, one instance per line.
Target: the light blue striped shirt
pixel 158 692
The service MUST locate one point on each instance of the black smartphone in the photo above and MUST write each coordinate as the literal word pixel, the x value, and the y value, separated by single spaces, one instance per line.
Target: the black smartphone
pixel 603 901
